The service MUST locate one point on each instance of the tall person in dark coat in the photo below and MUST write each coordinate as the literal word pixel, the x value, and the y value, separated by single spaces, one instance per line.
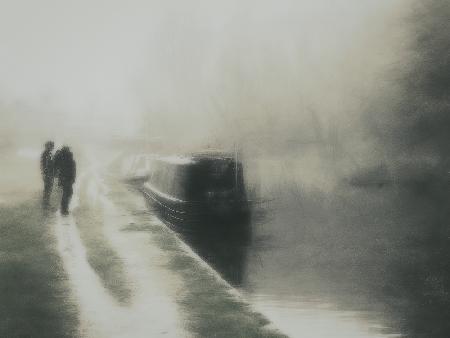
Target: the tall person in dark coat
pixel 56 163
pixel 47 170
pixel 66 175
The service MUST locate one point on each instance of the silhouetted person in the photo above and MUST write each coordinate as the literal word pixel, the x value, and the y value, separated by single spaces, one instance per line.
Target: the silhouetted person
pixel 66 168
pixel 57 163
pixel 47 170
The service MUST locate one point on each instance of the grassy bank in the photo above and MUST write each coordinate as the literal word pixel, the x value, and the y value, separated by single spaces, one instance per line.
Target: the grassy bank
pixel 100 255
pixel 209 306
pixel 35 298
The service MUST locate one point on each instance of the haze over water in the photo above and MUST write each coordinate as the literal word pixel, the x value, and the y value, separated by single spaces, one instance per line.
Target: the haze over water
pixel 338 110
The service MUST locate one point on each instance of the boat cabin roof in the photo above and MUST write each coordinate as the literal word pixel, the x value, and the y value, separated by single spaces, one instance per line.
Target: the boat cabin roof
pixel 195 158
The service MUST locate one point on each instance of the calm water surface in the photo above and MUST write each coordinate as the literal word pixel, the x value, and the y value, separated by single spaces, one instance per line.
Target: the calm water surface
pixel 358 262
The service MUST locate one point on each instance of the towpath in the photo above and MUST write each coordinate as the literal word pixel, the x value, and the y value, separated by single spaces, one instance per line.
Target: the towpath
pixel 131 276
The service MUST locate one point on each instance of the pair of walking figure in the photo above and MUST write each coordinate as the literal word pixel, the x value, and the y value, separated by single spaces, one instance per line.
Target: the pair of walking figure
pixel 62 166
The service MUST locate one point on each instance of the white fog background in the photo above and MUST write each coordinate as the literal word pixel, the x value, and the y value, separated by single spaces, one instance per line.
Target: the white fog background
pixel 335 83
pixel 293 71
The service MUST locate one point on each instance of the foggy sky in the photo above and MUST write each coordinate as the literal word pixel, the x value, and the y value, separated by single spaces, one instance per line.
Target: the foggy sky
pixel 288 72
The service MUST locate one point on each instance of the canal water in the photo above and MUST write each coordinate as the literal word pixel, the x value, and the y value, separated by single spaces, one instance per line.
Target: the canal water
pixel 346 261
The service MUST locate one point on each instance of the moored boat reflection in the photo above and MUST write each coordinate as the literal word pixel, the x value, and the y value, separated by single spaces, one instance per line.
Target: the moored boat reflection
pixel 202 196
pixel 222 244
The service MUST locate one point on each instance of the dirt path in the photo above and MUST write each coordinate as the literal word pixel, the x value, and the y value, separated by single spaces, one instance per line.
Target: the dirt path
pixel 151 311
pixel 133 277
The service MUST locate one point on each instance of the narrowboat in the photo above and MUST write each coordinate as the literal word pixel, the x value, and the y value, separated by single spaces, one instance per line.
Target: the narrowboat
pixel 197 187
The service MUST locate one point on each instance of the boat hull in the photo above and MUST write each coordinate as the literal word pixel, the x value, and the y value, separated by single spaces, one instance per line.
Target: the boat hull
pixel 180 212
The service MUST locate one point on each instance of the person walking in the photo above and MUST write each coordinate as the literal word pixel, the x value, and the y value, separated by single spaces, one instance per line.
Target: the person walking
pixel 66 176
pixel 47 171
pixel 56 164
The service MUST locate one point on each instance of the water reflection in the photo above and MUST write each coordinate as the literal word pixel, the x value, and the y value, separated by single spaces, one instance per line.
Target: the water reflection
pixel 222 244
pixel 225 249
pixel 361 262
pixel 311 319
pixel 378 257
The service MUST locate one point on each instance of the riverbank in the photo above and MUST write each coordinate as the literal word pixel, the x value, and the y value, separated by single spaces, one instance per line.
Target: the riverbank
pixel 36 299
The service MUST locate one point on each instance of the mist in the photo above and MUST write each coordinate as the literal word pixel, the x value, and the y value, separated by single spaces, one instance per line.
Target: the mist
pixel 267 76
pixel 337 111
pixel 412 120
